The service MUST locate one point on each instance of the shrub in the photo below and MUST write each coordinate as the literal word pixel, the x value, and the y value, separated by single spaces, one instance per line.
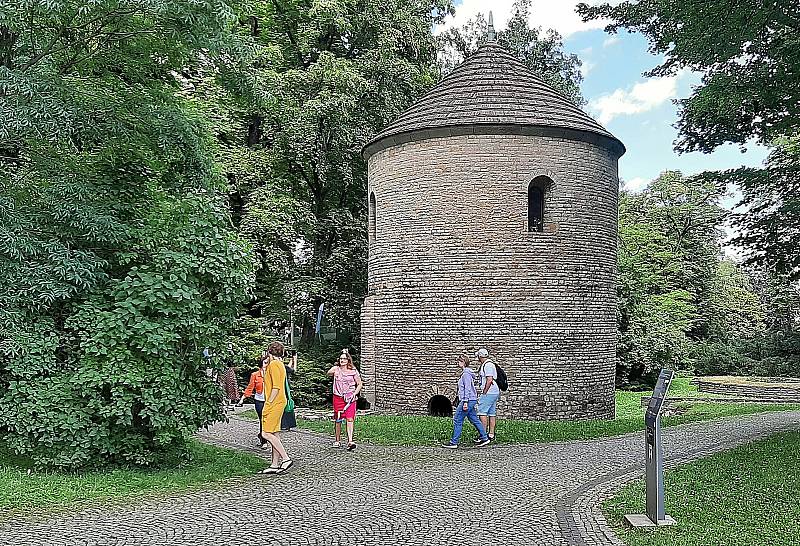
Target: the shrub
pixel 118 260
pixel 720 358
pixel 772 354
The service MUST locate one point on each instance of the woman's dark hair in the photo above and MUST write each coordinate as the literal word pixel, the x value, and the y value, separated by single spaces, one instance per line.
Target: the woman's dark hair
pixel 276 349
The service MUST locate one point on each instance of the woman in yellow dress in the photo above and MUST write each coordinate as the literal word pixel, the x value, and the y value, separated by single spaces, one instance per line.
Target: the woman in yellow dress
pixel 275 403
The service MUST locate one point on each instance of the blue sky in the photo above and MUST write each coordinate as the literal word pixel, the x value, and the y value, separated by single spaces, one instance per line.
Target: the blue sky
pixel 638 110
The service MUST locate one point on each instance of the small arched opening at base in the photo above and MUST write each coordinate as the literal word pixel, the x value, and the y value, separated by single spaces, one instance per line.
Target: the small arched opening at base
pixel 440 406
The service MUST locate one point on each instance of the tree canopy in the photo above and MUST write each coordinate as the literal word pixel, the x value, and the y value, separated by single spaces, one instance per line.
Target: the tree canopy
pixel 312 83
pixel 541 51
pixel 749 56
pixel 682 304
pixel 118 262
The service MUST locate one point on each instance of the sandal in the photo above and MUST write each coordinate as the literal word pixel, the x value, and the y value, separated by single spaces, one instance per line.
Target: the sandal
pixel 285 465
pixel 351 447
pixel 271 470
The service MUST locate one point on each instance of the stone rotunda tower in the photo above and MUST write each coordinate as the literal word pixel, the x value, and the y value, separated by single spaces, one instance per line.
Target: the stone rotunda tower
pixel 493 223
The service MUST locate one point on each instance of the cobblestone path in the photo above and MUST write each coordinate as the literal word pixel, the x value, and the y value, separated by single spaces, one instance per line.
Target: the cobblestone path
pixel 537 494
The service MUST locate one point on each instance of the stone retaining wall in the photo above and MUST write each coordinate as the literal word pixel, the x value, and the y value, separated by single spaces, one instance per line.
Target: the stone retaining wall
pixel 781 390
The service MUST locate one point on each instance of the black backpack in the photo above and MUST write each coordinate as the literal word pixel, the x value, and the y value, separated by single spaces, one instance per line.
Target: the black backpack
pixel 502 378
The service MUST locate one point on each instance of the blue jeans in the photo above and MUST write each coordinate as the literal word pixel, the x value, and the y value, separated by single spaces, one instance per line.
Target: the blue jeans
pixel 458 420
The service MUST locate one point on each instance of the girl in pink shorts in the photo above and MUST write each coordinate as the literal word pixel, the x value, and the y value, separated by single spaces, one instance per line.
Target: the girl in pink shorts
pixel 346 386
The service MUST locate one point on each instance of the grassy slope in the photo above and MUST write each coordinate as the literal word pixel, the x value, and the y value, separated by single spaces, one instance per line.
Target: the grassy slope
pixel 23 489
pixel 744 497
pixel 420 430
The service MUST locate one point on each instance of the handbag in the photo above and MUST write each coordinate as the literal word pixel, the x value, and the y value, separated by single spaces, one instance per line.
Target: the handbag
pixel 289 402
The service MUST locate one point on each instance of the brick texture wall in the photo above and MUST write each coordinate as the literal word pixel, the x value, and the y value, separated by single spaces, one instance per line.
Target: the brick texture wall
pixel 452 267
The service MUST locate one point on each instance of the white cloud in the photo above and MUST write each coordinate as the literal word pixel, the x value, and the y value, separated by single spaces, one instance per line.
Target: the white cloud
pixel 587 67
pixel 611 40
pixel 556 14
pixel 642 97
pixel 561 16
pixel 635 184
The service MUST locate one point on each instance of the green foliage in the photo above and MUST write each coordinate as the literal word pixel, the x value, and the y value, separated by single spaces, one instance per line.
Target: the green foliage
pixel 721 358
pixel 728 498
pixel 542 52
pixel 681 305
pixel 668 267
pixel 119 264
pixel 748 53
pixel 312 388
pixel 768 216
pixel 303 88
pixel 734 308
pixel 24 489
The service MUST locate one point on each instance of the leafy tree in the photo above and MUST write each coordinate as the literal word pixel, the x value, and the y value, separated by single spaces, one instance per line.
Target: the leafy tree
pixel 668 262
pixel 748 53
pixel 768 215
pixel 306 86
pixel 735 311
pixel 118 260
pixel 542 52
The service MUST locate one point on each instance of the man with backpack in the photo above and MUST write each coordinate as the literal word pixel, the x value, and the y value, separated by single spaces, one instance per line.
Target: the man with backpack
pixel 489 392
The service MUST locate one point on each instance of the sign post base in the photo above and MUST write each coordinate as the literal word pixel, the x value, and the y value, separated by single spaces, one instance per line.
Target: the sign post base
pixel 641 521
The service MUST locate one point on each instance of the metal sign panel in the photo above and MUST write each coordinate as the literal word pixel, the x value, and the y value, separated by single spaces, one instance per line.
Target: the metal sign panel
pixel 654 462
pixel 659 394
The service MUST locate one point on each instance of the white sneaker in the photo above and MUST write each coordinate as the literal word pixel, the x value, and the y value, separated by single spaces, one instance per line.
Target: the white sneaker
pixel 337 444
pixel 448 445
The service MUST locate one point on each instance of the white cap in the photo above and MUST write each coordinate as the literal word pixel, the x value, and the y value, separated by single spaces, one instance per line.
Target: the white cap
pixel 482 353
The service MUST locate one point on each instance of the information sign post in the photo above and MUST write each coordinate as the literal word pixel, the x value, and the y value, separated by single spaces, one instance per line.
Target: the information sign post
pixel 654 458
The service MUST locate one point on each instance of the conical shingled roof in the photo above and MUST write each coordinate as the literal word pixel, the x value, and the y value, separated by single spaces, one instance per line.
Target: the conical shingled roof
pixel 491 88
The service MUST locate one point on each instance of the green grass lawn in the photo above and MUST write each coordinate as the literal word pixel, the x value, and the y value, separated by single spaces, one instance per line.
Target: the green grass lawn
pixel 423 430
pixel 25 490
pixel 744 497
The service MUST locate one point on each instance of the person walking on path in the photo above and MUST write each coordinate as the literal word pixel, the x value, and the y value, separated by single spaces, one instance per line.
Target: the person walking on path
pixel 230 384
pixel 275 403
pixel 467 400
pixel 490 392
pixel 255 388
pixel 346 386
pixel 289 420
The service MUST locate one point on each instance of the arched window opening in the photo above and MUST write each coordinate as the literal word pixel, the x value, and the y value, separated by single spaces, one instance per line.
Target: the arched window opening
pixel 440 406
pixel 372 217
pixel 536 196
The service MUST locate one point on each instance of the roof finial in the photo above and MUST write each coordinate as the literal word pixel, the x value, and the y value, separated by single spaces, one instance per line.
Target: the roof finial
pixel 492 35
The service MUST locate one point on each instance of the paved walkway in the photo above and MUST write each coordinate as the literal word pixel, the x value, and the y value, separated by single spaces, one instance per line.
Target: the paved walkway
pixel 539 494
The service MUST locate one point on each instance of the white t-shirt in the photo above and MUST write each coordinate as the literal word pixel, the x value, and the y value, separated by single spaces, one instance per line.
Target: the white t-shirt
pixel 488 369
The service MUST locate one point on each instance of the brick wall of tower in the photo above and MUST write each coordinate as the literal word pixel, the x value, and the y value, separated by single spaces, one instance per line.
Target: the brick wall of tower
pixel 453 267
